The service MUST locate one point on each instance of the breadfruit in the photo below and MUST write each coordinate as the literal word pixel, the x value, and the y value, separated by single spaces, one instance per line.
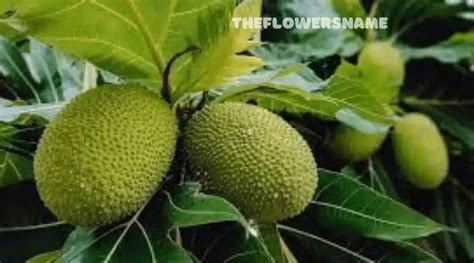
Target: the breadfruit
pixel 105 154
pixel 253 158
pixel 383 70
pixel 350 146
pixel 420 151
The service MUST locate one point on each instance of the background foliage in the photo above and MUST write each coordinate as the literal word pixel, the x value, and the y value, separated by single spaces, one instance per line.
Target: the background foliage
pixel 51 50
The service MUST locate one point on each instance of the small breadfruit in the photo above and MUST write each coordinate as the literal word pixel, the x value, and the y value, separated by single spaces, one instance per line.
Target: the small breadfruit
pixel 420 151
pixel 253 158
pixel 105 154
pixel 383 70
pixel 350 146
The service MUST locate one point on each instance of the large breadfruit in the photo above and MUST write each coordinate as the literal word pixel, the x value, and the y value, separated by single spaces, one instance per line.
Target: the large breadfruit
pixel 253 158
pixel 351 146
pixel 420 151
pixel 383 70
pixel 105 154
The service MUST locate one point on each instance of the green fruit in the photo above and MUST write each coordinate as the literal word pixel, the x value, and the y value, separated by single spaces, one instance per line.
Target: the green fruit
pixel 105 154
pixel 383 70
pixel 351 146
pixel 253 158
pixel 420 151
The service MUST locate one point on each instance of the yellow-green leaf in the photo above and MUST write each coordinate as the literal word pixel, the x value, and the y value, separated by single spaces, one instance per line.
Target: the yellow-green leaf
pixel 219 63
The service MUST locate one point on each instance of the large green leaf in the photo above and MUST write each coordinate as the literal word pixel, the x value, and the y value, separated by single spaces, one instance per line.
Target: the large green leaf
pixel 136 39
pixel 121 29
pixel 345 204
pixel 152 235
pixel 459 47
pixel 186 208
pixel 342 98
pixel 383 89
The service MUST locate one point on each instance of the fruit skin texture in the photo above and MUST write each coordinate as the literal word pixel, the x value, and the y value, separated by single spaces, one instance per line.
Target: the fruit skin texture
pixel 253 158
pixel 105 154
pixel 383 69
pixel 420 151
pixel 351 146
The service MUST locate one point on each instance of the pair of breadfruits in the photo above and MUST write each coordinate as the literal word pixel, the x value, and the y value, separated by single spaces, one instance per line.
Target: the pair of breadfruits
pixel 106 152
pixel 418 145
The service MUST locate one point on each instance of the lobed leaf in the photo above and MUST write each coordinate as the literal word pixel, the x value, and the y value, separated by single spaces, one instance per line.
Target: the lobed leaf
pixel 136 39
pixel 218 63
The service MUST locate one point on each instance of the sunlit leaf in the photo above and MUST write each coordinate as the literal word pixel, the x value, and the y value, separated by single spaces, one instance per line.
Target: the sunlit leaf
pixel 341 99
pixel 218 63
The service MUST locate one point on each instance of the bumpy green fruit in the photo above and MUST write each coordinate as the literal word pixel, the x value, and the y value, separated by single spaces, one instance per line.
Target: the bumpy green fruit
pixel 351 146
pixel 420 151
pixel 253 158
pixel 383 70
pixel 105 154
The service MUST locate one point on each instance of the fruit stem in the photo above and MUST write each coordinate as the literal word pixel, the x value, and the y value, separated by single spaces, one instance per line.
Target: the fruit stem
pixel 166 89
pixel 202 103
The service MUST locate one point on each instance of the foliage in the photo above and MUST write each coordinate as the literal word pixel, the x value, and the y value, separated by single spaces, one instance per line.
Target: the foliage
pixel 51 50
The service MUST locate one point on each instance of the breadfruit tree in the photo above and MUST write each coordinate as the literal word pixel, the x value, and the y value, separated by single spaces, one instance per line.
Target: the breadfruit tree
pixel 159 131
